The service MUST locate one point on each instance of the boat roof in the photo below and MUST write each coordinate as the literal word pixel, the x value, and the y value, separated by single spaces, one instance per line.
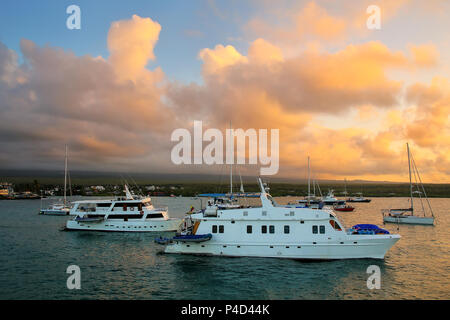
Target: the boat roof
pixel 114 200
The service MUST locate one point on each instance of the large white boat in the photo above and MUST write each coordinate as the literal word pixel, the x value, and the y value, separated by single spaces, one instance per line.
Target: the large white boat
pixel 406 216
pixel 60 208
pixel 130 214
pixel 278 231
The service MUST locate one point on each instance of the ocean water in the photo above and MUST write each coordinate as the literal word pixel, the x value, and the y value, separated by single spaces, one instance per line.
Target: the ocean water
pixel 34 256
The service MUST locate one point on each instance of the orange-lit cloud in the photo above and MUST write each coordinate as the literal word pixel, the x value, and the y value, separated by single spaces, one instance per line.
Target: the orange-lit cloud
pixel 220 57
pixel 131 43
pixel 102 108
pixel 117 112
pixel 424 55
pixel 309 22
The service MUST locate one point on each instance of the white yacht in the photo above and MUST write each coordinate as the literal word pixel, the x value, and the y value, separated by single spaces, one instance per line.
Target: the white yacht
pixel 331 200
pixel 130 214
pixel 358 198
pixel 278 231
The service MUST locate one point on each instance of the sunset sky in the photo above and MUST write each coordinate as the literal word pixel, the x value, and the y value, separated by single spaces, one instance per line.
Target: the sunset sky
pixel 115 90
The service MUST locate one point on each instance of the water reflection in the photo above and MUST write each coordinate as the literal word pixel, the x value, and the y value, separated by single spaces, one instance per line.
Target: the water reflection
pixel 34 256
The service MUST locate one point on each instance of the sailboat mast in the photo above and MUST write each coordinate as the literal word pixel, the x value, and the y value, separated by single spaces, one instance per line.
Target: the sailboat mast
pixel 231 179
pixel 65 175
pixel 240 178
pixel 231 165
pixel 309 181
pixel 410 181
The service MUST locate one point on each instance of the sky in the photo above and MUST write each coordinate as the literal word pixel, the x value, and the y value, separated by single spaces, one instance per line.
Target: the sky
pixel 348 96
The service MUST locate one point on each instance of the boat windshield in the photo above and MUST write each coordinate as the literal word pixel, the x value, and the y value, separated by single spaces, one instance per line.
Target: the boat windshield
pixel 147 204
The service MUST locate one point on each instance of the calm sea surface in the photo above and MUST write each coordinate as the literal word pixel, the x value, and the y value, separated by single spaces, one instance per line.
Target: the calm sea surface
pixel 34 256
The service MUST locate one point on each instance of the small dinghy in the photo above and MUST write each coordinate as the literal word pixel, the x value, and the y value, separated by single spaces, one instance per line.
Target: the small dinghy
pixel 345 208
pixel 193 237
pixel 89 219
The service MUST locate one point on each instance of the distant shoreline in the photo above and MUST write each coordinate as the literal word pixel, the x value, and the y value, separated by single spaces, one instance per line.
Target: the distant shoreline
pixel 193 189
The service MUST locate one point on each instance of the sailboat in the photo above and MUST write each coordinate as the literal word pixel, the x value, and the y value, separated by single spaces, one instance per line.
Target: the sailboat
pixel 311 200
pixel 344 207
pixel 406 216
pixel 229 200
pixel 60 209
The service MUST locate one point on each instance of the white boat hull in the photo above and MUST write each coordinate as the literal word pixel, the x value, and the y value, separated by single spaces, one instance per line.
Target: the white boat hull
pixel 402 219
pixel 365 247
pixel 55 212
pixel 137 225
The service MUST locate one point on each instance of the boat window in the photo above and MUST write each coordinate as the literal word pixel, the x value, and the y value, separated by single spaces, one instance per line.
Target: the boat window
pixel 95 215
pixel 314 229
pixel 127 204
pixel 263 229
pixel 124 216
pixel 271 229
pixel 322 229
pixel 155 215
pixel 286 229
pixel 335 225
pixel 87 208
pixel 214 229
pixel 103 205
pixel 146 204
pixel 249 229
pixel 221 229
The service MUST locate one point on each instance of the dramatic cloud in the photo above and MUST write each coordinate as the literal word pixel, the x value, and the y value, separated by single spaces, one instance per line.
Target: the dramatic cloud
pixel 104 109
pixel 351 108
pixel 266 90
pixel 317 82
